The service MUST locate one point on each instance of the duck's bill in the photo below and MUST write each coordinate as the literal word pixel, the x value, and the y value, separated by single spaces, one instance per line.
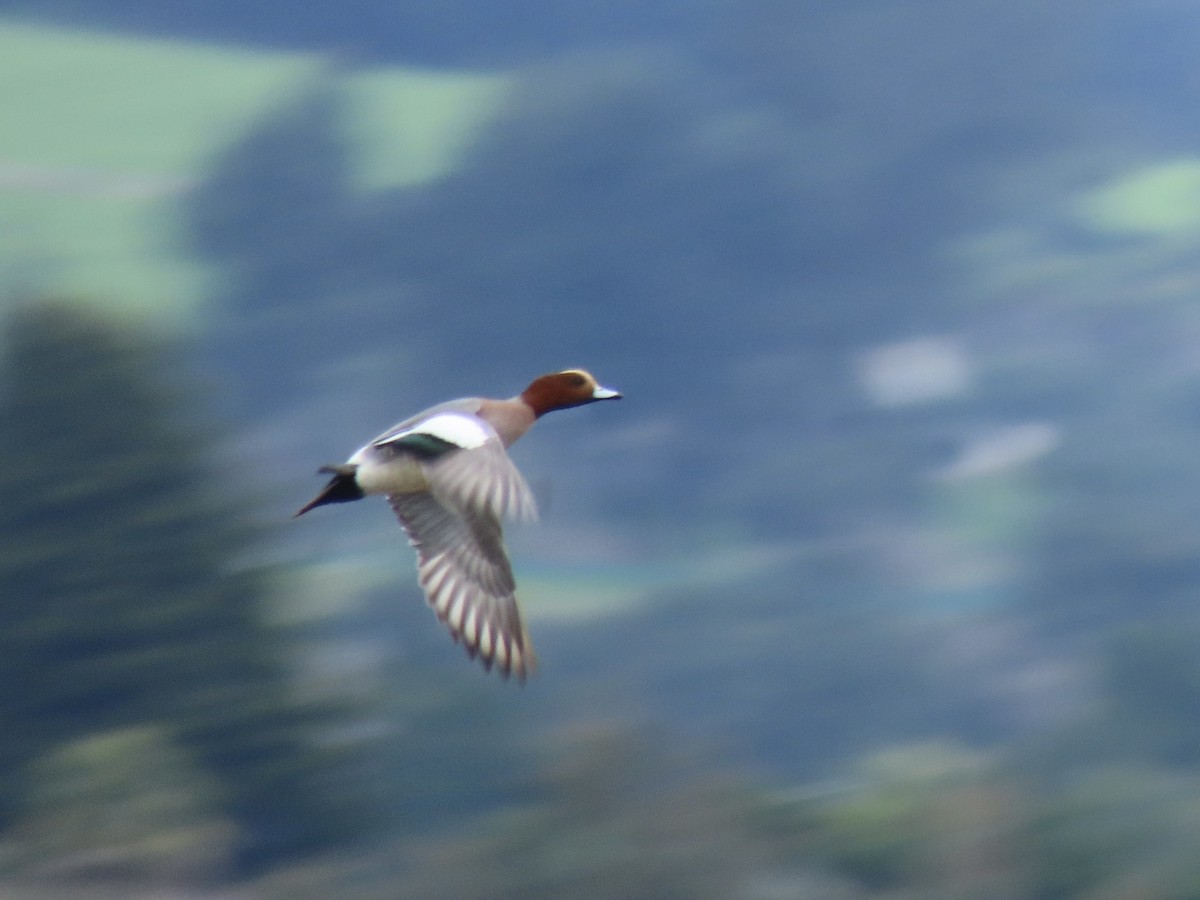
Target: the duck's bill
pixel 603 393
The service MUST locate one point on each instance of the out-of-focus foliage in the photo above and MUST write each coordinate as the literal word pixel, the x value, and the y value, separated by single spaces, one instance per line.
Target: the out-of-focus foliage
pixel 286 249
pixel 611 818
pixel 129 801
pixel 934 819
pixel 126 601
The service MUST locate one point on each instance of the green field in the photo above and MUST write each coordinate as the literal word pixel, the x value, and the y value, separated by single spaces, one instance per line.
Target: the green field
pixel 101 134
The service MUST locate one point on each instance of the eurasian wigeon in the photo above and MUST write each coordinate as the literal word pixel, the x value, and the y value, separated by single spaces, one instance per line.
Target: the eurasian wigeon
pixel 450 482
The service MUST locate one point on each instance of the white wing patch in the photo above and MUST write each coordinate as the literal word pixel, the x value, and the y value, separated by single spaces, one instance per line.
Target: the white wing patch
pixel 462 431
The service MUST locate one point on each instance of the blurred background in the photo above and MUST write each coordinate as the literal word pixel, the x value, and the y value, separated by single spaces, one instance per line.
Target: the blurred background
pixel 882 582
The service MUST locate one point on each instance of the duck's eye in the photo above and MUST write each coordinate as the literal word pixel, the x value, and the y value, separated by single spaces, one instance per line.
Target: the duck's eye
pixel 578 380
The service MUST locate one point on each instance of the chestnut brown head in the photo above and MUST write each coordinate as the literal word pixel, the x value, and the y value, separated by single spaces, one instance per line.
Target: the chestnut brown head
pixel 562 390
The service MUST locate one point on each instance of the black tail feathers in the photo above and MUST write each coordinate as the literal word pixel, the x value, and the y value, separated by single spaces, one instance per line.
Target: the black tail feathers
pixel 342 488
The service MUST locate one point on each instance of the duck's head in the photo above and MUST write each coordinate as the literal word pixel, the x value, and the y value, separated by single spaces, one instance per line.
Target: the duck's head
pixel 562 390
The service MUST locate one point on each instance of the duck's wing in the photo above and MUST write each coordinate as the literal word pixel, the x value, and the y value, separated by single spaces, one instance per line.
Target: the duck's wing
pixel 464 462
pixel 467 578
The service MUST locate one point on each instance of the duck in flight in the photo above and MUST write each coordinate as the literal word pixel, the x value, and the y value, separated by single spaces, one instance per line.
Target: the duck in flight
pixel 448 477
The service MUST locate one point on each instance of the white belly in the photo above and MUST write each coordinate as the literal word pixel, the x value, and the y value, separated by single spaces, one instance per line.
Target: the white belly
pixel 398 475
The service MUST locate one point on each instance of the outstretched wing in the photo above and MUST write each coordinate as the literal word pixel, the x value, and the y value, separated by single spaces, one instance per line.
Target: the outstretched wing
pixel 466 575
pixel 464 462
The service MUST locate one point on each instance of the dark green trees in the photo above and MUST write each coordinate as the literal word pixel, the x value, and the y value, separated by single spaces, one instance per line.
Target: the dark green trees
pixel 121 600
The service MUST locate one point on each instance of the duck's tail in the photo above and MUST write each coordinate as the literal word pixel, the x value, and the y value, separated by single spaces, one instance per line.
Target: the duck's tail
pixel 342 488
